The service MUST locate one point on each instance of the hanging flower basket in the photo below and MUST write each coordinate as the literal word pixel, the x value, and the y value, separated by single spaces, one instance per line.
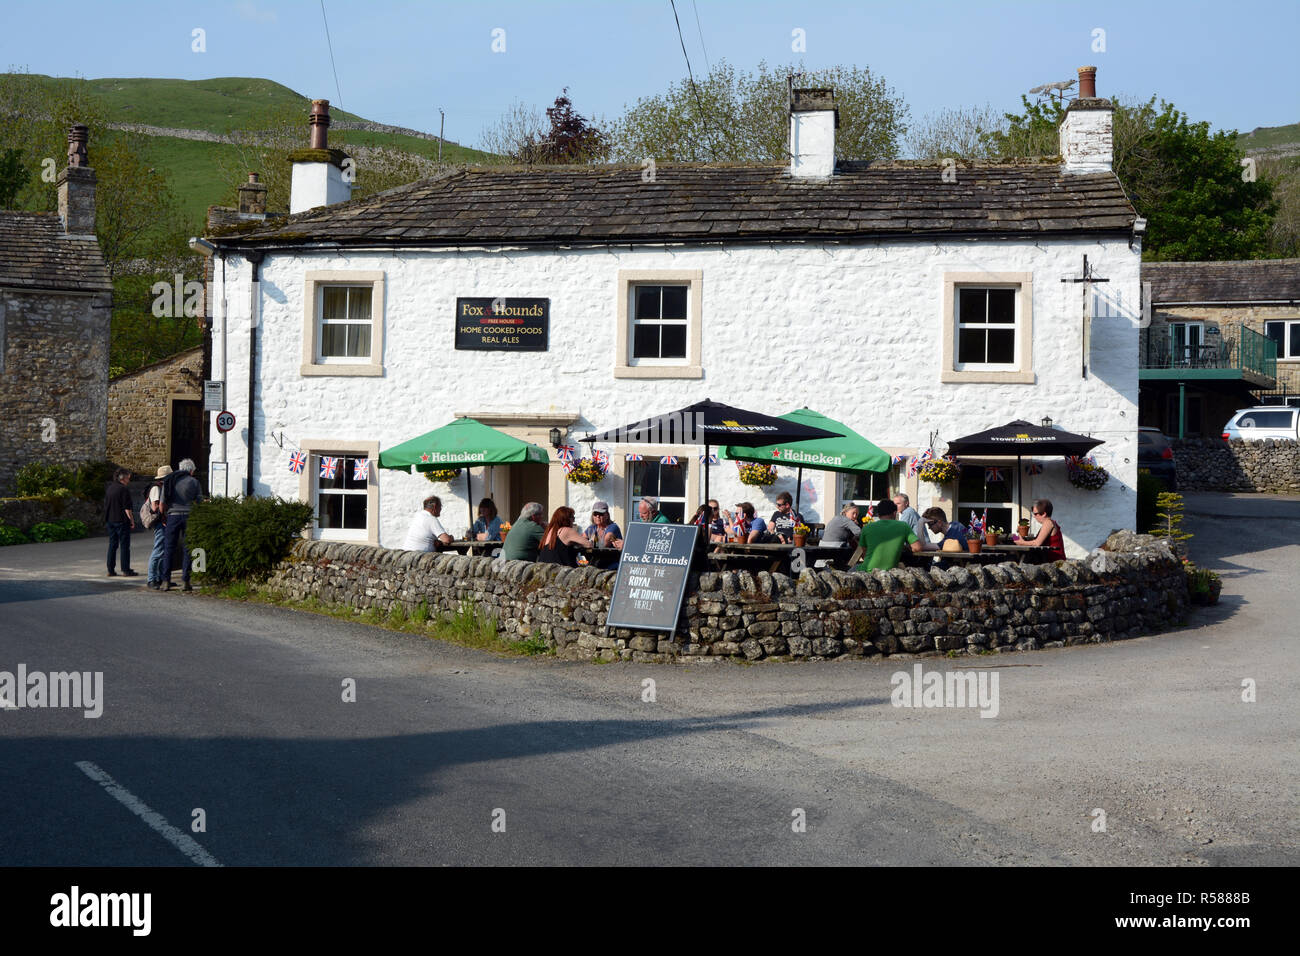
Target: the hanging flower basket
pixel 1089 475
pixel 756 474
pixel 939 471
pixel 442 474
pixel 586 472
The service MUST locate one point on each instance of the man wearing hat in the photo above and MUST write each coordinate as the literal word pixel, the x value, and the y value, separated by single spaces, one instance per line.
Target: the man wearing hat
pixel 602 532
pixel 154 504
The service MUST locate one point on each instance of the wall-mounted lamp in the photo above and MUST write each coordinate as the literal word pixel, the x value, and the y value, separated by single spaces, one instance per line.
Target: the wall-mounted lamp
pixel 557 436
pixel 1047 421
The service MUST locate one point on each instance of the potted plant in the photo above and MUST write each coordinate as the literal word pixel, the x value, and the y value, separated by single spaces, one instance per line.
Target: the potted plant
pixel 991 536
pixel 973 545
pixel 1023 529
pixel 505 530
pixel 801 534
pixel 1203 585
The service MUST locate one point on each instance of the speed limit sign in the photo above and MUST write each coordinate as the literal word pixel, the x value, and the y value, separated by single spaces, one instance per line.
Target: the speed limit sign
pixel 225 421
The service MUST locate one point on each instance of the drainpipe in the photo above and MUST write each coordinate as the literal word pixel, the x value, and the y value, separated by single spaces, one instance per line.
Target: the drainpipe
pixel 1182 409
pixel 254 256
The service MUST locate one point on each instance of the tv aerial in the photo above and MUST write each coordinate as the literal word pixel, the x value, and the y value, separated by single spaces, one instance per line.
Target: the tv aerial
pixel 1054 89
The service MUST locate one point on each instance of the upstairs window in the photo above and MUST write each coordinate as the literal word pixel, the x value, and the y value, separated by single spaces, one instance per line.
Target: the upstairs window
pixel 986 327
pixel 660 331
pixel 345 323
pixel 1287 336
pixel 659 322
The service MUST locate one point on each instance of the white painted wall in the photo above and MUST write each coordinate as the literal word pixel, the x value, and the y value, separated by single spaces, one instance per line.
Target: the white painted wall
pixel 316 184
pixel 851 331
pixel 812 143
pixel 1087 141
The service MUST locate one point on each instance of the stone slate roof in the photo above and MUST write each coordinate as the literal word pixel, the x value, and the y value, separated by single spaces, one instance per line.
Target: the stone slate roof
pixel 35 254
pixel 711 202
pixel 1250 280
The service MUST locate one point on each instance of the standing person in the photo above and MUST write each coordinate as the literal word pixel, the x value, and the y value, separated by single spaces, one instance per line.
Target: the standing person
pixel 561 541
pixel 647 509
pixel 155 504
pixel 785 518
pixel 488 525
pixel 118 515
pixel 1049 532
pixel 843 530
pixel 521 543
pixel 426 531
pixel 882 540
pixel 602 532
pixel 907 513
pixel 181 494
pixel 936 519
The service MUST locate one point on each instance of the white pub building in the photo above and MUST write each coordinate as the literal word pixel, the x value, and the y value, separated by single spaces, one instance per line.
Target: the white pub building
pixel 915 302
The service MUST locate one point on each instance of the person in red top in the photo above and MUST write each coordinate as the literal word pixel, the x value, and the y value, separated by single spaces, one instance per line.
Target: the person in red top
pixel 1049 532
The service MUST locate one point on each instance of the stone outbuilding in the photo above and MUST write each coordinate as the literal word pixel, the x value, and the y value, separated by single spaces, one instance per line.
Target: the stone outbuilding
pixel 158 414
pixel 56 302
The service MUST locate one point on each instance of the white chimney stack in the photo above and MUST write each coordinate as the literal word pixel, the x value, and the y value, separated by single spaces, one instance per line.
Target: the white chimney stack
pixel 1087 131
pixel 813 120
pixel 321 176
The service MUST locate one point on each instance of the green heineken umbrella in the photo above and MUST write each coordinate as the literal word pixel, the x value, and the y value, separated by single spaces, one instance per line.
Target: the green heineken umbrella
pixel 849 452
pixel 465 443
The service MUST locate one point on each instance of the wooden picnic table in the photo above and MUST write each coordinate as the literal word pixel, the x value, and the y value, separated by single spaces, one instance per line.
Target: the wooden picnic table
pixel 475 548
pixel 997 554
pixel 772 557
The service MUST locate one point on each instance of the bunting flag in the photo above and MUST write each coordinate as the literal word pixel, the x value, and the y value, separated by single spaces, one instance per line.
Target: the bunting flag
pixel 297 462
pixel 600 458
pixel 1075 463
pixel 565 452
pixel 993 474
pixel 568 464
pixel 977 524
pixel 633 457
pixel 328 466
pixel 361 469
pixel 919 461
pixel 1033 468
pixel 668 460
pixel 897 459
pixel 708 459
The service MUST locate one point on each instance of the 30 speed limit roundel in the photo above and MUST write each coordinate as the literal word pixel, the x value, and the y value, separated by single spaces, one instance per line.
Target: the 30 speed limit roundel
pixel 225 421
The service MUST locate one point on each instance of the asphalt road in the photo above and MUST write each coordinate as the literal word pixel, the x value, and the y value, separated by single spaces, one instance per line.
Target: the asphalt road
pixel 238 711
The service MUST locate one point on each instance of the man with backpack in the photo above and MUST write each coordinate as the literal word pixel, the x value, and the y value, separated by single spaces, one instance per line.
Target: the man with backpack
pixel 152 516
pixel 180 492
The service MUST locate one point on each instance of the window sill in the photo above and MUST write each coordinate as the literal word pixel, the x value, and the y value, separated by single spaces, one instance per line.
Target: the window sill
pixel 951 376
pixel 373 371
pixel 658 371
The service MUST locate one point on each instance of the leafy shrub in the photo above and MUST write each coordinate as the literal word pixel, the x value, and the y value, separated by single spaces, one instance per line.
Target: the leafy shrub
pixel 92 477
pixel 73 529
pixel 48 531
pixel 10 535
pixel 40 480
pixel 245 537
pixel 1148 490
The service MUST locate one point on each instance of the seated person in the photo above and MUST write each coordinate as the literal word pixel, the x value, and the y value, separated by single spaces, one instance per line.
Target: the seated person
pixel 1049 532
pixel 785 518
pixel 882 540
pixel 907 513
pixel 488 525
pixel 749 527
pixel 561 542
pixel 843 530
pixel 521 543
pixel 647 509
pixel 426 531
pixel 937 521
pixel 602 532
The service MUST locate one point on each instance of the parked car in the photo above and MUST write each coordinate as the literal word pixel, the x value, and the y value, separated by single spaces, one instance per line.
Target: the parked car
pixel 1269 421
pixel 1156 455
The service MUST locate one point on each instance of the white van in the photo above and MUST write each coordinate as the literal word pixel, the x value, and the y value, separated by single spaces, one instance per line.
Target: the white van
pixel 1270 421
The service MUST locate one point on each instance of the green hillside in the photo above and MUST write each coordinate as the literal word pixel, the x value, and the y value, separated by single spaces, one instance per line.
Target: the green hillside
pixel 1267 136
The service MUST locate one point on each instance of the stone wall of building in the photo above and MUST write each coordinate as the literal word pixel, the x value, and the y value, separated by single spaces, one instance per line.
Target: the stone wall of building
pixel 139 419
pixel 53 379
pixel 1211 464
pixel 820 614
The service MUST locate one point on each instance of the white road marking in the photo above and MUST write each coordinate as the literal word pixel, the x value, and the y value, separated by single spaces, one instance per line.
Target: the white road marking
pixel 182 841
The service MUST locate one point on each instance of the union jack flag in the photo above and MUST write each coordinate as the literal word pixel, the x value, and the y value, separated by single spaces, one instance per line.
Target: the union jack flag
pixel 361 469
pixel 565 452
pixel 328 466
pixel 568 464
pixel 669 460
pixel 993 474
pixel 633 458
pixel 600 458
pixel 918 461
pixel 897 459
pixel 1075 463
pixel 297 462
pixel 977 524
pixel 708 459
pixel 1033 468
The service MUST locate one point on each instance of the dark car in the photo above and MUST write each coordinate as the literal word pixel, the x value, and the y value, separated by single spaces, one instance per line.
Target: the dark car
pixel 1156 455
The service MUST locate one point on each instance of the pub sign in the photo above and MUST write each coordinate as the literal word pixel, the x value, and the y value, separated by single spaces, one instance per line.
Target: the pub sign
pixel 502 325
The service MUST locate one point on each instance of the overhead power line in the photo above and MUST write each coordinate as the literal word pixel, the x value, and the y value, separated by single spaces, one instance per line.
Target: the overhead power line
pixel 690 74
pixel 330 44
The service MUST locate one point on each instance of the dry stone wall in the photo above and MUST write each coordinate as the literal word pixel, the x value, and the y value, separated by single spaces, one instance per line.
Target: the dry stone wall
pixel 23 513
pixel 1211 464
pixel 751 616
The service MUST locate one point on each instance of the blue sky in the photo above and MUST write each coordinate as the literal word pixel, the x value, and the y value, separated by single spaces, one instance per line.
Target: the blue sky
pixel 398 62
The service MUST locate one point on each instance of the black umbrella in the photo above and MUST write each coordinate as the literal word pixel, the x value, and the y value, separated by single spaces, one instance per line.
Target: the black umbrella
pixel 1022 438
pixel 711 423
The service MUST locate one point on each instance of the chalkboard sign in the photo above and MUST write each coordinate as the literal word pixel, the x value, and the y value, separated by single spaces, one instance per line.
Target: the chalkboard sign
pixel 652 574
pixel 511 325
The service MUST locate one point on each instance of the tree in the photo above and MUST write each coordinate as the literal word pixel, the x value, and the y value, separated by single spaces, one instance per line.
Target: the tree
pixel 959 134
pixel 565 136
pixel 510 135
pixel 1189 184
pixel 13 176
pixel 744 117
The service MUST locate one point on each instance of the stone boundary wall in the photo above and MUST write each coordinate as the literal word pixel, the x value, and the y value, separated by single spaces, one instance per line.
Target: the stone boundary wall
pixel 1211 464
pixel 738 614
pixel 23 513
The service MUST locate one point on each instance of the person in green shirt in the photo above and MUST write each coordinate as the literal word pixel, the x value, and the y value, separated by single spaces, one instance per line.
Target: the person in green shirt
pixel 647 509
pixel 523 539
pixel 882 540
